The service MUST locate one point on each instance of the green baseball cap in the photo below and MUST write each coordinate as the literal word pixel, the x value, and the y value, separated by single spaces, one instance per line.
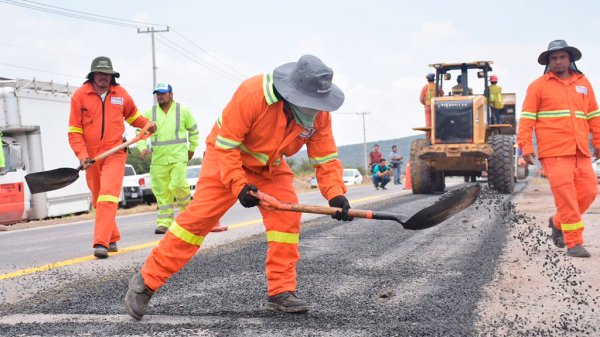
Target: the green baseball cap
pixel 102 64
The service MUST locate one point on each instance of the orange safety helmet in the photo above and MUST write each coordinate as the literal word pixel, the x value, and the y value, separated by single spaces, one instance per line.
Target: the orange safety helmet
pixel 493 78
pixel 430 77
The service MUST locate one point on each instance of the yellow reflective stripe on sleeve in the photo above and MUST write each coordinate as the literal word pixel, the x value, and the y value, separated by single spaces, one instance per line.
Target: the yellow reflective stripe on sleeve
pixel 268 89
pixel 593 114
pixel 554 114
pixel 528 115
pixel 283 237
pixel 261 157
pixel 323 160
pixel 227 144
pixel 108 198
pixel 133 118
pixel 580 114
pixel 75 129
pixel 219 122
pixel 185 235
pixel 571 226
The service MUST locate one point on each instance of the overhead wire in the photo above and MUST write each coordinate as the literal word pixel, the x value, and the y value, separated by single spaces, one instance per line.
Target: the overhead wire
pixel 39 6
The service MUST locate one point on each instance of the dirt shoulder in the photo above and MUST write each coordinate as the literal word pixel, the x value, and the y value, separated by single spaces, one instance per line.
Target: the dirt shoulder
pixel 538 290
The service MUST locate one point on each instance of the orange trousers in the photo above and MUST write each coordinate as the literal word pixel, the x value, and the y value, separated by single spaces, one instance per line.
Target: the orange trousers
pixel 574 186
pixel 211 200
pixel 105 180
pixel 428 120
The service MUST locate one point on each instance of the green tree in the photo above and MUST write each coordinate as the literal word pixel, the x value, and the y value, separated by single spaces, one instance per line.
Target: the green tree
pixel 133 159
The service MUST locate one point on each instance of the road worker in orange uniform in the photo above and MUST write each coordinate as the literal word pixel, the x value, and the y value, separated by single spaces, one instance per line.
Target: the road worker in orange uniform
pixel 561 107
pixel 98 109
pixel 427 93
pixel 270 116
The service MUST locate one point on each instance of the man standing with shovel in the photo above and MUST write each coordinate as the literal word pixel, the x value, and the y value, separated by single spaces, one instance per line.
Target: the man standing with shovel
pixel 98 109
pixel 270 116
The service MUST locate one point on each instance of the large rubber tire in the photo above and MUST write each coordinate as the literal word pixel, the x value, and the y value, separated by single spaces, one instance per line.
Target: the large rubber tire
pixel 420 173
pixel 501 165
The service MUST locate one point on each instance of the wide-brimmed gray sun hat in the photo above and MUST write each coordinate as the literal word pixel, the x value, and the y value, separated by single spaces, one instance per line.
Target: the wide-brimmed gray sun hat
pixel 557 45
pixel 308 84
pixel 102 64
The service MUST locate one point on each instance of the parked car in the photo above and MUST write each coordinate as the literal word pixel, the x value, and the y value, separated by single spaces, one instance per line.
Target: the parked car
pixel 193 172
pixel 131 193
pixel 146 187
pixel 351 177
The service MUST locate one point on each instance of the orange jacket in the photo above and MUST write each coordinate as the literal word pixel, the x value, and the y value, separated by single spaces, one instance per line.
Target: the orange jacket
pixel 428 92
pixel 96 126
pixel 562 113
pixel 251 136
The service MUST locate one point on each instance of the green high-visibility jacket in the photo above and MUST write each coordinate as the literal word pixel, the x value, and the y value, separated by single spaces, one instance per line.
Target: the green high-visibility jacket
pixel 1 152
pixel 496 96
pixel 175 129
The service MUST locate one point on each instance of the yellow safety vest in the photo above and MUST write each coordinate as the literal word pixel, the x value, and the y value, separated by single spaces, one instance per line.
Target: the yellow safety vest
pixel 430 93
pixel 496 96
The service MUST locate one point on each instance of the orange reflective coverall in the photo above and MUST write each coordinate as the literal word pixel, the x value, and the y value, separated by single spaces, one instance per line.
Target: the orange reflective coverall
pixel 563 114
pixel 246 146
pixel 427 93
pixel 96 126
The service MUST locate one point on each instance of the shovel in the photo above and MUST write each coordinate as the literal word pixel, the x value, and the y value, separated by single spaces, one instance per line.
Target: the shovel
pixel 448 205
pixel 45 181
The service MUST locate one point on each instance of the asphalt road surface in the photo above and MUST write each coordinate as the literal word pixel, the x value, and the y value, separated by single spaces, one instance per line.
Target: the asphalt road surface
pixel 362 278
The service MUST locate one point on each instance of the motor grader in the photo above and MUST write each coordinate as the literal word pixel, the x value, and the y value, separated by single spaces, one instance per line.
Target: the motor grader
pixel 463 140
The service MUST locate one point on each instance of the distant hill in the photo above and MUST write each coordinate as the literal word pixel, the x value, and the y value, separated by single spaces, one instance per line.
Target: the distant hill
pixel 352 156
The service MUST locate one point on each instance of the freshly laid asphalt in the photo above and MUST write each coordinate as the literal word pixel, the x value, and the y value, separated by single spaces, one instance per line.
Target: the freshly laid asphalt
pixel 362 278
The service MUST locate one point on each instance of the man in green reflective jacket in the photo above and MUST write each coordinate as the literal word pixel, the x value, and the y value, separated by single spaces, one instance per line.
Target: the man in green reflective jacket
pixel 172 146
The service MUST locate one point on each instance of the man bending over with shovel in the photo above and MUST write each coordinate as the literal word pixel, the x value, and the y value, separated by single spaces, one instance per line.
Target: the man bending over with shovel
pixel 98 109
pixel 270 116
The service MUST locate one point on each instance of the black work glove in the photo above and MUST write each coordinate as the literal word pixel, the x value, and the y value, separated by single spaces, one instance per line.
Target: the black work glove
pixel 341 202
pixel 246 199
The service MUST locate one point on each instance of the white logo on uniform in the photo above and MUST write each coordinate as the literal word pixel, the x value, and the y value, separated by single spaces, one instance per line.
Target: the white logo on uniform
pixel 307 133
pixel 581 89
pixel 116 100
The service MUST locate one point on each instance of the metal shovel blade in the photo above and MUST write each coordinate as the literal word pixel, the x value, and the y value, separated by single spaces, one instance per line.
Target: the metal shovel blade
pixel 444 208
pixel 45 181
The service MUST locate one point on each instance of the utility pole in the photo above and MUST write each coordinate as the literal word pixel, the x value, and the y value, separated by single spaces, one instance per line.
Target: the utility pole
pixel 151 30
pixel 365 140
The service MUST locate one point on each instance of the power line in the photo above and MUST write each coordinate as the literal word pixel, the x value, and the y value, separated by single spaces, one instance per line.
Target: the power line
pixel 209 54
pixel 190 56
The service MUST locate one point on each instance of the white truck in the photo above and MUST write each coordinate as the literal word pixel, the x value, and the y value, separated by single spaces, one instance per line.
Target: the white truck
pixel 34 119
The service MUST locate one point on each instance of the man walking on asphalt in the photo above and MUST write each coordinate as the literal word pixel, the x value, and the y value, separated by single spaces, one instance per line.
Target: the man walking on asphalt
pixel 270 116
pixel 562 108
pixel 172 147
pixel 98 109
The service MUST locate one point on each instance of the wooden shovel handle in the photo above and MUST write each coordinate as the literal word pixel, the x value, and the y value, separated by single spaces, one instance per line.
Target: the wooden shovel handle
pixel 142 135
pixel 270 203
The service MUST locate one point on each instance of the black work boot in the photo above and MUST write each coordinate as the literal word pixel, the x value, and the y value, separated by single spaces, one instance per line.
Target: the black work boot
pixel 287 302
pixel 112 247
pixel 100 252
pixel 557 235
pixel 137 297
pixel 160 230
pixel 578 251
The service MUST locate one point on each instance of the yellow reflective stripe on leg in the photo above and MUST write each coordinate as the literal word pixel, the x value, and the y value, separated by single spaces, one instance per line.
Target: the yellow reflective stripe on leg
pixel 185 235
pixel 571 226
pixel 108 198
pixel 283 237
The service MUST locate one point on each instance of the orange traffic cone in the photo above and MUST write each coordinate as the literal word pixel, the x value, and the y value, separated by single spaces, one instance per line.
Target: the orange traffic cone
pixel 407 181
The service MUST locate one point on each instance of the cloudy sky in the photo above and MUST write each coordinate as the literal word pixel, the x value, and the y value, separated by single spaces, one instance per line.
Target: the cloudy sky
pixel 379 50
